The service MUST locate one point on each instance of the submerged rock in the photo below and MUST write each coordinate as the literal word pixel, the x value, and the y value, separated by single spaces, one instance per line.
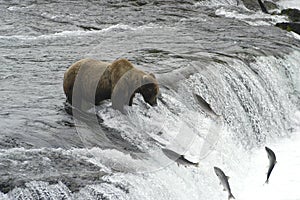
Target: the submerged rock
pixel 289 26
pixel 263 7
pixel 254 5
pixel 292 13
pixel 271 5
pixel 251 5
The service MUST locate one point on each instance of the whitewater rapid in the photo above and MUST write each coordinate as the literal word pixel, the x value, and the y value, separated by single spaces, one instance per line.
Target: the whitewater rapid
pixel 285 178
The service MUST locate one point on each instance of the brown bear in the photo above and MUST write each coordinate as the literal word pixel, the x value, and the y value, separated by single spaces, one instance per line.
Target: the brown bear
pixel 95 81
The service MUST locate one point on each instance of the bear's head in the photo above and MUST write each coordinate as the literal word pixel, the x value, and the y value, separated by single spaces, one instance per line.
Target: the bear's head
pixel 149 89
pixel 133 81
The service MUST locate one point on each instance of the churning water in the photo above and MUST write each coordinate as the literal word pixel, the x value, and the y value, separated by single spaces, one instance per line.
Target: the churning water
pixel 236 59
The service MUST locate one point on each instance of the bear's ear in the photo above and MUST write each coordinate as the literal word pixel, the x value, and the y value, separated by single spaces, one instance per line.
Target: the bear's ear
pixel 147 79
pixel 152 75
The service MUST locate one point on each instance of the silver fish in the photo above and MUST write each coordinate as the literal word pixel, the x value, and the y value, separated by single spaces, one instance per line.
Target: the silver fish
pixel 180 159
pixel 224 181
pixel 272 160
pixel 206 106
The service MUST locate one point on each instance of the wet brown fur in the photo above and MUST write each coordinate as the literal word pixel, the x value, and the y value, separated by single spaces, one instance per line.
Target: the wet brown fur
pixel 90 76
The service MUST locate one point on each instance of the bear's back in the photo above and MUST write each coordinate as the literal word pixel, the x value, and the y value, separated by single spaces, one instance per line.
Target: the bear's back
pixel 94 80
pixel 119 68
pixel 85 76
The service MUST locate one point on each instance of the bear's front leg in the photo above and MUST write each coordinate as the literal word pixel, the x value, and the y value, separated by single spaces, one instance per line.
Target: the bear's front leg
pixel 131 100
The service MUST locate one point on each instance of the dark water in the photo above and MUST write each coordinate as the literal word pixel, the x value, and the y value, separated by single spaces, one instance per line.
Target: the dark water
pixel 247 72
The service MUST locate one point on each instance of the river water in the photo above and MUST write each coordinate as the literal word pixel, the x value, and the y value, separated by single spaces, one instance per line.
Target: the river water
pixel 236 59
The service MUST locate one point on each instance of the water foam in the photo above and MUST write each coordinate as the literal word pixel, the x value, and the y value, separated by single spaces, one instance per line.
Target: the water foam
pixel 77 33
pixel 252 18
pixel 289 4
pixel 213 3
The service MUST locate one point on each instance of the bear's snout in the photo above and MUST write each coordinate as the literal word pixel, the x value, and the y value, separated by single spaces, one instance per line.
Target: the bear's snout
pixel 153 102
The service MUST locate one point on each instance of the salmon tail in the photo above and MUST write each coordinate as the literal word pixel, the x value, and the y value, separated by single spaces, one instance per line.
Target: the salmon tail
pixel 230 196
pixel 267 181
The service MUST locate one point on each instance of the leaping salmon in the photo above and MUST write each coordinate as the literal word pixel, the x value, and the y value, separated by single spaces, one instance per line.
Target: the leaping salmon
pixel 272 160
